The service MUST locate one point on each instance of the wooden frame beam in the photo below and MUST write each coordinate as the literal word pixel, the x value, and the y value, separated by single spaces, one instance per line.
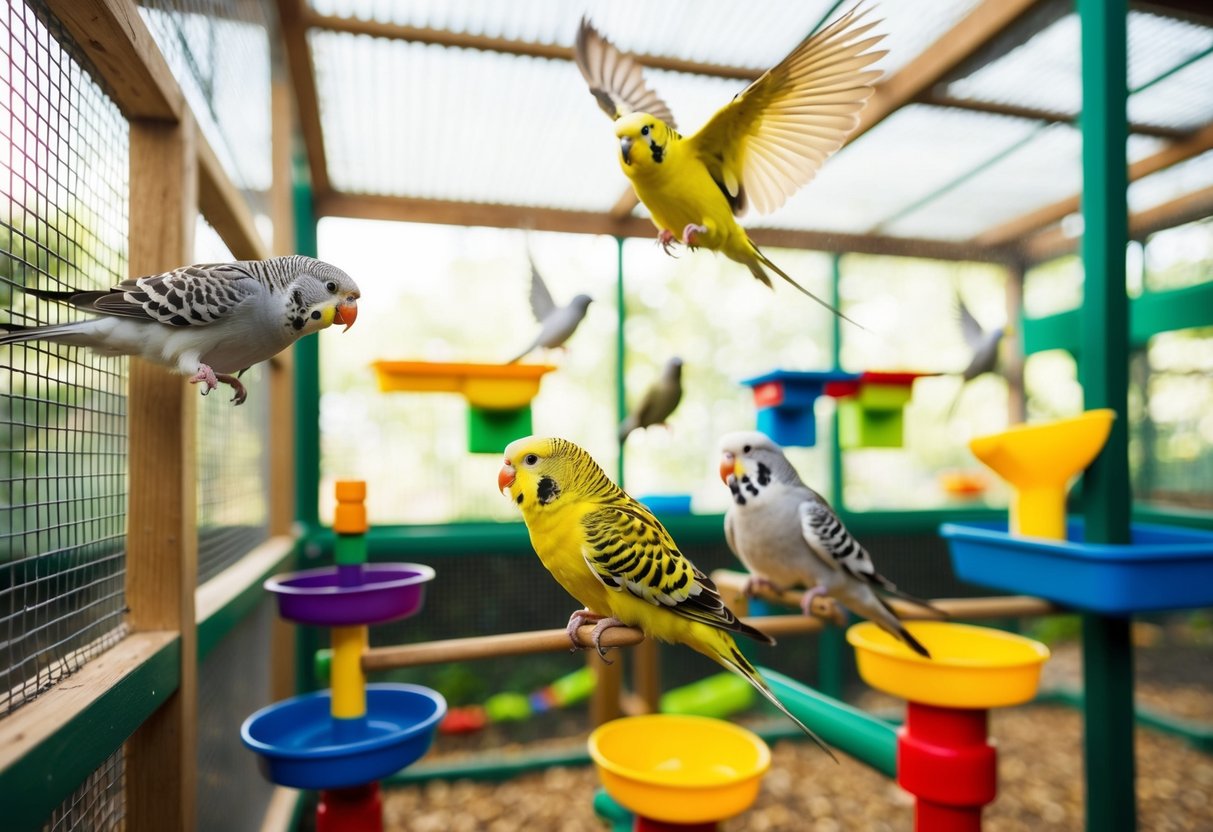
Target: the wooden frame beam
pixel 294 16
pixel 1053 117
pixel 226 209
pixel 442 212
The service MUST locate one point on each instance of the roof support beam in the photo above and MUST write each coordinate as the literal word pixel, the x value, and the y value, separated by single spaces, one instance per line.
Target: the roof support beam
pixel 1053 117
pixel 294 15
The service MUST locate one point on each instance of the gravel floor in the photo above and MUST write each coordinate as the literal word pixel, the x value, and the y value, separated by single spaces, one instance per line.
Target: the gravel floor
pixel 1040 774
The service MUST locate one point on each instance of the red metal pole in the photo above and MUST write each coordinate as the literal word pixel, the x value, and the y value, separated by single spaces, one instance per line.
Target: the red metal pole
pixel 945 760
pixel 353 809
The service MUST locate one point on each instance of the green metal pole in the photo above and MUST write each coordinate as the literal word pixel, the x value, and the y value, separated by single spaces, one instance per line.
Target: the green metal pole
pixel 831 644
pixel 1106 649
pixel 621 393
pixel 307 383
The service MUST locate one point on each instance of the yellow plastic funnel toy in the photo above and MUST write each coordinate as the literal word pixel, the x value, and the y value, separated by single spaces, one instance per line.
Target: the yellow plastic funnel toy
pixel 1038 462
pixel 679 769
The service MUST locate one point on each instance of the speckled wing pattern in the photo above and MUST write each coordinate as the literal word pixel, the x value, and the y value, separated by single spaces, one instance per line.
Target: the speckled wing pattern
pixel 771 139
pixel 831 541
pixel 629 550
pixel 189 296
pixel 616 80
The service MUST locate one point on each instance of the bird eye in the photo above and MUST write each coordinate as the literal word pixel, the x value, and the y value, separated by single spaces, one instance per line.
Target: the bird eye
pixel 331 286
pixel 316 315
pixel 644 131
pixel 530 459
pixel 746 449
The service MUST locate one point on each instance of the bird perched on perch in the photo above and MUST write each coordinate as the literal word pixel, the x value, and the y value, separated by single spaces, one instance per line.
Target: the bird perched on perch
pixel 208 321
pixel 660 400
pixel 787 536
pixel 757 150
pixel 983 345
pixel 556 323
pixel 612 555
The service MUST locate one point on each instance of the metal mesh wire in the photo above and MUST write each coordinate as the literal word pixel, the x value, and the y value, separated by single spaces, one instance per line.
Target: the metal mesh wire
pixel 233 479
pixel 98 804
pixel 233 681
pixel 64 150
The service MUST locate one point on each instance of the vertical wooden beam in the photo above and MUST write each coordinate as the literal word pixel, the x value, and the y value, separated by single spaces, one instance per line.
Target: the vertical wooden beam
pixel 1012 346
pixel 162 539
pixel 605 701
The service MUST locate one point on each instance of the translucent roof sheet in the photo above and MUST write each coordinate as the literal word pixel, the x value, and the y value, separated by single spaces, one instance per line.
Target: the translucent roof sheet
pixel 1170 184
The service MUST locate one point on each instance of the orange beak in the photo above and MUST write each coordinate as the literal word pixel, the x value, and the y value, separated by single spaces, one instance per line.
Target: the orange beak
pixel 346 314
pixel 505 477
pixel 726 467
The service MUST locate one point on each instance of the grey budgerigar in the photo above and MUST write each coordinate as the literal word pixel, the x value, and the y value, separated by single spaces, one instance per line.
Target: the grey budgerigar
pixel 983 348
pixel 556 323
pixel 659 401
pixel 207 321
pixel 787 536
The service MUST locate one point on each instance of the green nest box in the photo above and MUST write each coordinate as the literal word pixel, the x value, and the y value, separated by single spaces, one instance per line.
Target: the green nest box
pixel 871 411
pixel 490 430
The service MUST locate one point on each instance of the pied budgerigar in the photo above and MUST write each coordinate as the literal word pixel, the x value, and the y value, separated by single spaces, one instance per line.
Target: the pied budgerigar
pixel 614 556
pixel 658 402
pixel 787 536
pixel 556 323
pixel 209 321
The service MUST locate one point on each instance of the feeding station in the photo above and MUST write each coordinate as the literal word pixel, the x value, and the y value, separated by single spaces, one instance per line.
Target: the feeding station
pixel 944 757
pixel 679 773
pixel 785 400
pixel 498 395
pixel 342 741
pixel 1041 553
pixel 871 408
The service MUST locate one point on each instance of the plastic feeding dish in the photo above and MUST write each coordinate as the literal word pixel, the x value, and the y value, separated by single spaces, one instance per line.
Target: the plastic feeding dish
pixel 970 667
pixel 785 399
pixel 330 597
pixel 297 744
pixel 1161 568
pixel 679 769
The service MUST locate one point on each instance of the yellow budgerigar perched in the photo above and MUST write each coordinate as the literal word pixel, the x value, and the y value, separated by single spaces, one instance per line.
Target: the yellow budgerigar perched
pixel 612 555
pixel 757 150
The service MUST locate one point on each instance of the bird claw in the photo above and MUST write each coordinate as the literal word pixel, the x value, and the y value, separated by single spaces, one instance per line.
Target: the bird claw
pixel 576 620
pixel 666 238
pixel 755 584
pixel 601 627
pixel 691 232
pixel 241 394
pixel 205 375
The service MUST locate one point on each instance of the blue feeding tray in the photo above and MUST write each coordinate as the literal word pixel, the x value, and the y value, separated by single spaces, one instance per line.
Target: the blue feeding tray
pixel 667 504
pixel 785 400
pixel 296 742
pixel 1163 568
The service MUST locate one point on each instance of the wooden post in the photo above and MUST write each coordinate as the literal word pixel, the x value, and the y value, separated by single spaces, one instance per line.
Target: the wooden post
pixel 1012 347
pixel 162 536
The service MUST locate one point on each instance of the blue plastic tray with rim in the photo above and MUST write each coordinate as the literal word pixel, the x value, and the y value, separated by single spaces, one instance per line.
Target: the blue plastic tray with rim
pixel 297 746
pixel 1163 568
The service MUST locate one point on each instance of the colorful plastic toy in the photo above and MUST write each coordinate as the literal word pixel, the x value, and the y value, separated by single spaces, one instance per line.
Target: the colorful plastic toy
pixel 871 408
pixel 785 400
pixel 943 756
pixel 344 740
pixel 515 707
pixel 718 696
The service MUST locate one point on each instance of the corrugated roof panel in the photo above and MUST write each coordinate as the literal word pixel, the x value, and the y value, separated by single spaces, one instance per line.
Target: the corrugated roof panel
pixel 912 154
pixel 1172 183
pixel 1183 100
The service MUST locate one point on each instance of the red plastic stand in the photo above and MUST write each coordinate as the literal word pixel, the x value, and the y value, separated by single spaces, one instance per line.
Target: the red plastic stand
pixel 945 760
pixel 650 825
pixel 355 809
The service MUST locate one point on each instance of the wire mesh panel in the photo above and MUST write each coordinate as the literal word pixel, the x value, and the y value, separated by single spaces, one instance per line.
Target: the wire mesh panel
pixel 233 479
pixel 97 805
pixel 64 150
pixel 233 681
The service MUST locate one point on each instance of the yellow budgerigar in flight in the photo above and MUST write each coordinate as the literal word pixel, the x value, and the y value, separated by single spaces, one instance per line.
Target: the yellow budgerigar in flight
pixel 756 151
pixel 612 555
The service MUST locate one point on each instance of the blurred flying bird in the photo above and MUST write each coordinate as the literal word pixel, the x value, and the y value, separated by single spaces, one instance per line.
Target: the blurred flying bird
pixel 983 345
pixel 556 323
pixel 611 554
pixel 787 536
pixel 758 149
pixel 209 321
pixel 659 400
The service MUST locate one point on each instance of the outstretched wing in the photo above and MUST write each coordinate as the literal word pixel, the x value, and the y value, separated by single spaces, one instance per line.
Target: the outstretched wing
pixel 771 139
pixel 630 551
pixel 189 296
pixel 969 327
pixel 541 299
pixel 616 80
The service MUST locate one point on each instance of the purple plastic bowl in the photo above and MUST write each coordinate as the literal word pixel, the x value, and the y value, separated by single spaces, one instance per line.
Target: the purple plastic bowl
pixel 389 591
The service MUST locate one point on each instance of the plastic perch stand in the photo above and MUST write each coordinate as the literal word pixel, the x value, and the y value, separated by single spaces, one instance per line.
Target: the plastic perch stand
pixel 345 740
pixel 943 756
pixel 676 772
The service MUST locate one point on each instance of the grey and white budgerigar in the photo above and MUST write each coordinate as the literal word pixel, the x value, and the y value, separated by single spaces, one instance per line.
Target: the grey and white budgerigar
pixel 208 321
pixel 659 401
pixel 983 347
pixel 787 536
pixel 556 323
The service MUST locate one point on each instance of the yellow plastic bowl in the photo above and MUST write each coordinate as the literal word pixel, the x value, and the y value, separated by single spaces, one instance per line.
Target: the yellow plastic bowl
pixel 970 667
pixel 678 768
pixel 1045 454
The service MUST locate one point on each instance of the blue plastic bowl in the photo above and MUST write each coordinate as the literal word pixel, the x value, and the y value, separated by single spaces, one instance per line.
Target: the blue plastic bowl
pixel 296 744
pixel 1163 568
pixel 667 504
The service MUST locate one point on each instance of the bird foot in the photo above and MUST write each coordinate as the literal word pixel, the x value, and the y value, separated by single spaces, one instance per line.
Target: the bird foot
pixel 240 392
pixel 205 375
pixel 755 584
pixel 691 232
pixel 576 621
pixel 827 608
pixel 596 636
pixel 666 238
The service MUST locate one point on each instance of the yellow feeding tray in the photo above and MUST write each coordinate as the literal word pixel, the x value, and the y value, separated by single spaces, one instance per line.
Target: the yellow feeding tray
pixel 490 386
pixel 970 667
pixel 679 768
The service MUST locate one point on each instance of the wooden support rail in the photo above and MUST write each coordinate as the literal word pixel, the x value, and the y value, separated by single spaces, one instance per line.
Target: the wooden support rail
pixel 551 641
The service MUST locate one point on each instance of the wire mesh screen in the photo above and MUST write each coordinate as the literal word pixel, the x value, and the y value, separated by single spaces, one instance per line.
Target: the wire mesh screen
pixel 233 480
pixel 64 150
pixel 233 681
pixel 97 805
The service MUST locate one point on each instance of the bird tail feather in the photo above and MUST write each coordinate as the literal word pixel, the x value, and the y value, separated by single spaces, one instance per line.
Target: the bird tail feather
pixel 16 333
pixel 730 657
pixel 756 269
